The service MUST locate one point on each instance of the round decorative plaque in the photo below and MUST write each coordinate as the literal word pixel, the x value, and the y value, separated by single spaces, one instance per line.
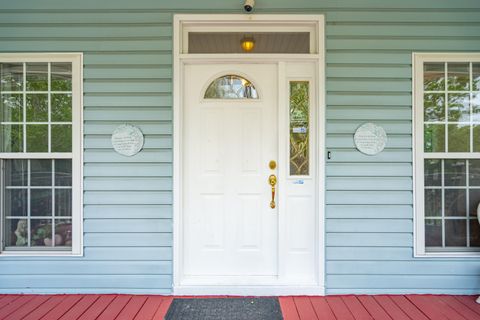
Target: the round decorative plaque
pixel 127 140
pixel 370 139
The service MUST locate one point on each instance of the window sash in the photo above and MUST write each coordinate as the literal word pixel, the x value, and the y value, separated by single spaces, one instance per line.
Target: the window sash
pixel 76 155
pixel 419 155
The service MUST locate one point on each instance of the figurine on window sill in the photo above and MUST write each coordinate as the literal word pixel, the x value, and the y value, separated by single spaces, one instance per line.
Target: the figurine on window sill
pixel 21 233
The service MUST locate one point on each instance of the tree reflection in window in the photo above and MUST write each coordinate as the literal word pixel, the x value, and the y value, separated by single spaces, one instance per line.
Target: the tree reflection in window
pixel 299 127
pixel 231 87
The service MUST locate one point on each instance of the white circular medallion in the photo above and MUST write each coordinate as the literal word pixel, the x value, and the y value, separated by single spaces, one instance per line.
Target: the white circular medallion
pixel 370 139
pixel 127 140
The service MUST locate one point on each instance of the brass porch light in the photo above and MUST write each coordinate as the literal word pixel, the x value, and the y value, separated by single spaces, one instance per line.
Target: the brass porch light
pixel 247 43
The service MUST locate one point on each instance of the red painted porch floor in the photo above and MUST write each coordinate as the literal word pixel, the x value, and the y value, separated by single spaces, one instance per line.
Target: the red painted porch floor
pixel 138 307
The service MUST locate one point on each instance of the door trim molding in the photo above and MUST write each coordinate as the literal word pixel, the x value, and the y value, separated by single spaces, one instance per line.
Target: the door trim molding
pixel 179 60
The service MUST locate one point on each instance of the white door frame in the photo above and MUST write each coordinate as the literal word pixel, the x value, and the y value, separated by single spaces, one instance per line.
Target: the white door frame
pixel 273 23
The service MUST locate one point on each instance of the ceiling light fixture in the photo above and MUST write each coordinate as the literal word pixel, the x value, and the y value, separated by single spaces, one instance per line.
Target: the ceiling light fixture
pixel 247 44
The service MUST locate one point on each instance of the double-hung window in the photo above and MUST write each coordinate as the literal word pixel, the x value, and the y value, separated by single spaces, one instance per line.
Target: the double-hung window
pixel 40 154
pixel 447 153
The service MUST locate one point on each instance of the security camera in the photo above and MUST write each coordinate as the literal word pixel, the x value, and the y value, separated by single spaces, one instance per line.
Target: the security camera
pixel 248 5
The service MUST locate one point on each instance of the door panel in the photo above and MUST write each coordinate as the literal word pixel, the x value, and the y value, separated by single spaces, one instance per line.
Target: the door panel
pixel 229 227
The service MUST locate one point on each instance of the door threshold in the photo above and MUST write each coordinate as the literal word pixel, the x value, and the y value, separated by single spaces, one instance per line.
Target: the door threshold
pixel 235 290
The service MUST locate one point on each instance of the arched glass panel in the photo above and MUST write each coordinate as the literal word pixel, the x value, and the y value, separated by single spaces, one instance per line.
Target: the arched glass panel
pixel 231 87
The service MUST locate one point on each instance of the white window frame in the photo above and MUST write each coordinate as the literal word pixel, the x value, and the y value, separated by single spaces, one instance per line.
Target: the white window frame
pixel 418 148
pixel 76 155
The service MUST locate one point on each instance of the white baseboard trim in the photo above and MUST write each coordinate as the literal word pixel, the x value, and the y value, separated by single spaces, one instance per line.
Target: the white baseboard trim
pixel 249 290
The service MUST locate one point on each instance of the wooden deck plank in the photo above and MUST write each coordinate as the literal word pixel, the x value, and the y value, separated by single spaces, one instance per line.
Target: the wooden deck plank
pixel 427 308
pixel 444 308
pixel 305 308
pixel 391 308
pixel 408 308
pixel 132 308
pixel 14 305
pixel 43 309
pixel 469 301
pixel 149 308
pixel 356 308
pixel 29 307
pixel 339 308
pixel 289 309
pixel 114 308
pixel 322 309
pixel 79 308
pixel 163 308
pixel 372 306
pixel 466 312
pixel 62 308
pixel 7 300
pixel 97 307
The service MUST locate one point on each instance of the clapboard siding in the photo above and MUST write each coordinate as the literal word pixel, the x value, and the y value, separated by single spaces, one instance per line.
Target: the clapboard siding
pixel 369 225
pixel 127 200
pixel 128 74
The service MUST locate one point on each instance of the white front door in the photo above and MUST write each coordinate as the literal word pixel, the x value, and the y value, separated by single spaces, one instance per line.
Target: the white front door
pixel 230 231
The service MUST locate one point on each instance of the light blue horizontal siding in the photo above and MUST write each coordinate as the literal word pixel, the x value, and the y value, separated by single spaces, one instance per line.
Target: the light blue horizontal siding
pixel 369 225
pixel 127 200
pixel 128 74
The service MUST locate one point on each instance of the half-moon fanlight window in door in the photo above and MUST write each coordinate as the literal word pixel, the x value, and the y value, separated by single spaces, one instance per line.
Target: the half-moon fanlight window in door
pixel 231 87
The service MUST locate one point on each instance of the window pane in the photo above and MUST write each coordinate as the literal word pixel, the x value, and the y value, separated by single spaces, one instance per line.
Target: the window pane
pixel 231 87
pixel 476 76
pixel 458 138
pixel 61 138
pixel 474 172
pixel 41 172
pixel 458 76
pixel 37 76
pixel 434 76
pixel 15 202
pixel 41 202
pixel 41 232
pixel 455 202
pixel 37 107
pixel 12 138
pixel 11 76
pixel 433 172
pixel 61 107
pixel 474 233
pixel 37 138
pixel 63 202
pixel 455 233
pixel 455 172
pixel 63 172
pixel 476 138
pixel 16 232
pixel 61 76
pixel 459 107
pixel 16 173
pixel 299 128
pixel 434 138
pixel 63 233
pixel 433 202
pixel 433 232
pixel 11 107
pixel 476 107
pixel 474 199
pixel 434 107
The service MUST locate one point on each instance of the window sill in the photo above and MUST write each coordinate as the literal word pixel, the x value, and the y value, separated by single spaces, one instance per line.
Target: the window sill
pixel 40 254
pixel 450 255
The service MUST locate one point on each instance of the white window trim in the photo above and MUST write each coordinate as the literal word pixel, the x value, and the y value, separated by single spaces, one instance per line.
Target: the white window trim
pixel 76 155
pixel 418 155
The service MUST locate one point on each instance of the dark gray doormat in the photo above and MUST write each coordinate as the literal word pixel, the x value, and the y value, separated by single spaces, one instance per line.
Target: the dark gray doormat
pixel 225 308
